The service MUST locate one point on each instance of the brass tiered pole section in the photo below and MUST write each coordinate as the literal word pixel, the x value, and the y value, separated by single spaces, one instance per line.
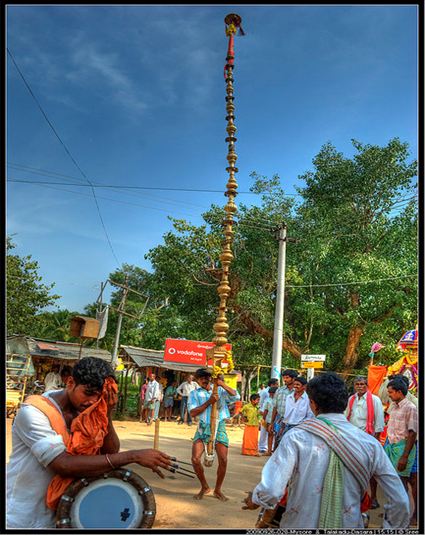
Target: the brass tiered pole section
pixel 221 327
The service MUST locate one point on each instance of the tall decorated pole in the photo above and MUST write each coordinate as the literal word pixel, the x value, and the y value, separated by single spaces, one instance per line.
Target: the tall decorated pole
pixel 220 353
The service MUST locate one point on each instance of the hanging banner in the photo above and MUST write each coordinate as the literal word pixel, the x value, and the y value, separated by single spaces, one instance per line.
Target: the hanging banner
pixel 102 317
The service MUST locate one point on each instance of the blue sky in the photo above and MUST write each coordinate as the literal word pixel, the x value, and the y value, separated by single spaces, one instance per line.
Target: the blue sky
pixel 136 93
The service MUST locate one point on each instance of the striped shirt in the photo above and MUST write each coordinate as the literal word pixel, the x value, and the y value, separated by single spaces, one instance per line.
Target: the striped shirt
pixel 403 418
pixel 199 396
pixel 280 399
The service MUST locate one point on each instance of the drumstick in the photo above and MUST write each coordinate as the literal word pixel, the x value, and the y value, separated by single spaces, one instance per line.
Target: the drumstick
pixel 175 465
pixel 174 471
pixel 184 469
pixel 181 462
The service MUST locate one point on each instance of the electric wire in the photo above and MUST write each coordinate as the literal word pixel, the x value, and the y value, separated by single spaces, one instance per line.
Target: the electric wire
pixel 246 222
pixel 66 150
pixel 116 186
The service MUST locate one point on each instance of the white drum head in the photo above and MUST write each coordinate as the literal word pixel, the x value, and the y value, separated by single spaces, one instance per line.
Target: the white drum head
pixel 117 500
pixel 107 503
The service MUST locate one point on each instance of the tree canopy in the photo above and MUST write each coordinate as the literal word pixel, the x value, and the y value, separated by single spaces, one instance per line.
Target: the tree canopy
pixel 26 295
pixel 351 275
pixel 351 266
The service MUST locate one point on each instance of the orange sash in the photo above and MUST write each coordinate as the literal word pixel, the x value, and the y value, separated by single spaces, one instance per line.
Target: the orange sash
pixel 88 431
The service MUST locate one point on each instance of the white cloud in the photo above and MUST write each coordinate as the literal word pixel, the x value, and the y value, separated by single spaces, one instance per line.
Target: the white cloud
pixel 90 63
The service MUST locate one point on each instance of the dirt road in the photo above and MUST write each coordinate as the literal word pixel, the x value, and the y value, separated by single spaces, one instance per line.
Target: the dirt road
pixel 176 507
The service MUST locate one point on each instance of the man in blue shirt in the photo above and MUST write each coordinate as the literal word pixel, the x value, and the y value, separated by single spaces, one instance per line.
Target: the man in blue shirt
pixel 199 404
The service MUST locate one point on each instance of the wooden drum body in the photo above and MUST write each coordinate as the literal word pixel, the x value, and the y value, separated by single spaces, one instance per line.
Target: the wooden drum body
pixel 117 500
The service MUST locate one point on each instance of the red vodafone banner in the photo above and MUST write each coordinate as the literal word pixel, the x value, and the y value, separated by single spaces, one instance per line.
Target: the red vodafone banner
pixel 188 351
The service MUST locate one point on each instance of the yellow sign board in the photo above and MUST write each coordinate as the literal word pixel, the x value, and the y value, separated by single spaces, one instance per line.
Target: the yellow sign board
pixel 312 364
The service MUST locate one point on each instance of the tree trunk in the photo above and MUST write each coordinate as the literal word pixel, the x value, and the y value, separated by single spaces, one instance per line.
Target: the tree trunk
pixel 351 356
pixel 243 385
pixel 356 332
pixel 254 326
pixel 251 375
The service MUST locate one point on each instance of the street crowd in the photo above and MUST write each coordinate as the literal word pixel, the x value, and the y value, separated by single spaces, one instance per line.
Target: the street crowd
pixel 328 451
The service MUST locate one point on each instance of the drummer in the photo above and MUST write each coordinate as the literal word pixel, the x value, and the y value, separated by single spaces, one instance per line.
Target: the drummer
pixel 39 452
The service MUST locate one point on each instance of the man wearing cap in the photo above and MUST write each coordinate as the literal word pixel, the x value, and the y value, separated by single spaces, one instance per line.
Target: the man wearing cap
pixel 281 395
pixel 199 404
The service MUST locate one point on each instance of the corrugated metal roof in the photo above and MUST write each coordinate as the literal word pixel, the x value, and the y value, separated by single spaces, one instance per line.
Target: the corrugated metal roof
pixel 45 346
pixel 50 349
pixel 155 359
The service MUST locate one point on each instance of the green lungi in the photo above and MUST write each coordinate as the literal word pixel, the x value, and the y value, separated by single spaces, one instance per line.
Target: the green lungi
pixel 204 433
pixel 395 451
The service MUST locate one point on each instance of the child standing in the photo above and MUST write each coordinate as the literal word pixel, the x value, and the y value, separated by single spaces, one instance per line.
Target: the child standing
pixel 251 417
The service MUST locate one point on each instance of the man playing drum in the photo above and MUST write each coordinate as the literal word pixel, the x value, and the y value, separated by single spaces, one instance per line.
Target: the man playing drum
pixel 40 452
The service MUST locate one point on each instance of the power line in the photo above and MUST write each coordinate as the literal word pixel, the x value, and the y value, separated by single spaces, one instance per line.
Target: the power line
pixel 245 222
pixel 117 186
pixel 264 221
pixel 45 172
pixel 66 150
pixel 111 199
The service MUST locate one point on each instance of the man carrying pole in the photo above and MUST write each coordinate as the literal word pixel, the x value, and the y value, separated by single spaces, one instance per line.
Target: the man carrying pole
pixel 201 403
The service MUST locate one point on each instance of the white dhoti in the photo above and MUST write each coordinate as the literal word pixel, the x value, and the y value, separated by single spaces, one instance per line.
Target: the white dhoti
pixel 262 443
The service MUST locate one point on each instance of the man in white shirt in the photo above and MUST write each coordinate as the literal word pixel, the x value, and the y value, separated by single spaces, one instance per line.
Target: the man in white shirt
pixel 184 391
pixel 297 407
pixel 327 461
pixel 39 452
pixel 53 380
pixel 365 411
pixel 152 395
pixel 264 396
pixel 282 393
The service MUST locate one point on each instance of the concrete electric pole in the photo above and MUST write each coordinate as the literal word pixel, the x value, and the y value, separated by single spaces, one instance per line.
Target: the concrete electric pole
pixel 280 305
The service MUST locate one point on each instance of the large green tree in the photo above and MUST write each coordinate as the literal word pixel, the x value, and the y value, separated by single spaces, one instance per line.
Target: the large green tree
pixel 359 261
pixel 26 295
pixel 350 268
pixel 350 278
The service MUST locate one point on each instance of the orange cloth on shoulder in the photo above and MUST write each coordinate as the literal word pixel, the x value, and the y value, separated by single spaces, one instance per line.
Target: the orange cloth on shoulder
pixel 88 431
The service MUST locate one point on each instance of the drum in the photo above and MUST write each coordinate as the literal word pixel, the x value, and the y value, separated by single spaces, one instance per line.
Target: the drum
pixel 118 499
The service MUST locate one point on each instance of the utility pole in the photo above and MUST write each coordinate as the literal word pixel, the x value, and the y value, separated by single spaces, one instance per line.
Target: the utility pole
pixel 120 315
pixel 99 303
pixel 280 305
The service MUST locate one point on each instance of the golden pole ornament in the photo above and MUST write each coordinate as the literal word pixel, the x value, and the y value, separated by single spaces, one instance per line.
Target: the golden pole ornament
pixel 221 327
